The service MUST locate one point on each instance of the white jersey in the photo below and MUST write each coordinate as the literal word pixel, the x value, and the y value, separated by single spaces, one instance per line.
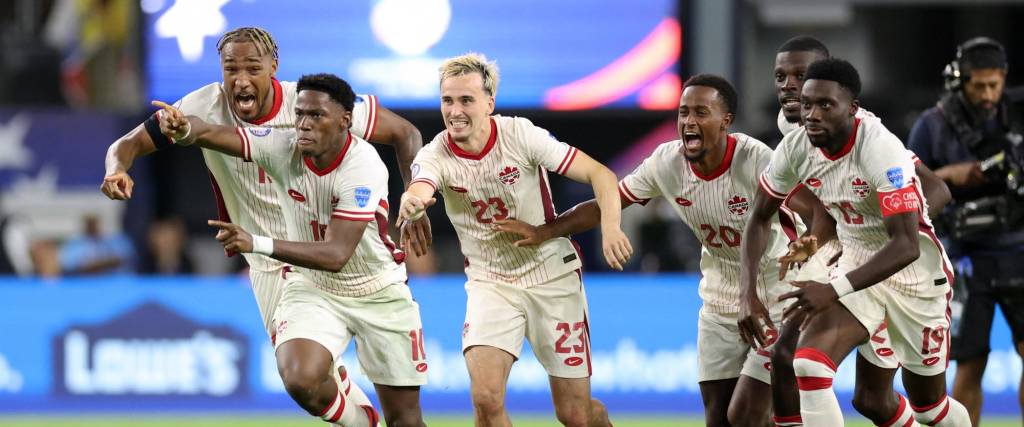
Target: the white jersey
pixel 507 179
pixel 354 188
pixel 243 191
pixel 871 178
pixel 715 207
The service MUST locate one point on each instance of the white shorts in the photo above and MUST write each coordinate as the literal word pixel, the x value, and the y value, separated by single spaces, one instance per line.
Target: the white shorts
pixel 385 324
pixel 722 353
pixel 919 326
pixel 877 350
pixel 552 316
pixel 267 287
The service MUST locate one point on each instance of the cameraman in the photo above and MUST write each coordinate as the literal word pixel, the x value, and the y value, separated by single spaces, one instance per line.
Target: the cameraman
pixel 968 138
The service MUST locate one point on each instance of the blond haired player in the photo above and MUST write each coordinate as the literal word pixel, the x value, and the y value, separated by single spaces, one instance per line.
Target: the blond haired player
pixel 251 96
pixel 348 280
pixel 490 168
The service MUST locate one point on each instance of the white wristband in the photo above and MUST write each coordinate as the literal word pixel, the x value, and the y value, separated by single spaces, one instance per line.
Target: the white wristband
pixel 842 286
pixel 262 245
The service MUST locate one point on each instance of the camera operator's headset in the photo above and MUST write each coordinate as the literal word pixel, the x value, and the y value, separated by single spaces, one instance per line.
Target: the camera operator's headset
pixel 954 74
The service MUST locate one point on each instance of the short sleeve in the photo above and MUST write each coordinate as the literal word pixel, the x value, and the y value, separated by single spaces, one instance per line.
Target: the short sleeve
pixel 426 168
pixel 545 150
pixel 890 171
pixel 271 149
pixel 780 177
pixel 364 116
pixel 359 194
pixel 640 186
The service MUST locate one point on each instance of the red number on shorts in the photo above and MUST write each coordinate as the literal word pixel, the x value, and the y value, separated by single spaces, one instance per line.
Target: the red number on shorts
pixel 418 351
pixel 726 234
pixel 319 230
pixel 850 214
pixel 482 207
pixel 566 332
pixel 930 336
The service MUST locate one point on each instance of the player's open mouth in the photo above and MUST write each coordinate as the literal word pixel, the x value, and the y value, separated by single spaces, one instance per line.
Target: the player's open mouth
pixel 458 124
pixel 245 101
pixel 692 141
pixel 790 103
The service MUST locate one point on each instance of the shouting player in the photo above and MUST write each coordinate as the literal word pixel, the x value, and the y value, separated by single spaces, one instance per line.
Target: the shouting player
pixel 892 269
pixel 348 280
pixel 490 168
pixel 708 176
pixel 251 96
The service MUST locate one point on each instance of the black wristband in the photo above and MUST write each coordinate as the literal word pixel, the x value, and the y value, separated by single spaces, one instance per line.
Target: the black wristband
pixel 160 140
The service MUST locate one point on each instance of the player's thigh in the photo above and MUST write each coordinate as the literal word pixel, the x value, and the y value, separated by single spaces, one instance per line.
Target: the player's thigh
pixel 721 351
pixel 495 317
pixel 488 372
pixel 307 312
pixel 557 326
pixel 389 334
pixel 267 287
pixel 751 401
pixel 919 327
pixel 841 327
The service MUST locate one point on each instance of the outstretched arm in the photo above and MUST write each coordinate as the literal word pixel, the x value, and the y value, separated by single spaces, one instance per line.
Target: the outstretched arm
pixel 193 130
pixel 340 242
pixel 579 218
pixel 615 245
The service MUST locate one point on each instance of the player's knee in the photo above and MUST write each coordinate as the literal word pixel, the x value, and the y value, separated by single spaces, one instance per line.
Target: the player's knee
pixel 573 415
pixel 871 405
pixel 598 413
pixel 301 382
pixel 487 402
pixel 782 356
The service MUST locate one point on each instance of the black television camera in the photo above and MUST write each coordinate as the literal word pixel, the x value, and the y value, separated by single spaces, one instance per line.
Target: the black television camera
pixel 997 215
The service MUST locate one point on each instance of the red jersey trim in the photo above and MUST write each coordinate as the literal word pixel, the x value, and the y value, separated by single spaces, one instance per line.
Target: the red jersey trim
pixel 628 195
pixel 487 147
pixel 333 165
pixel 246 146
pixel 278 99
pixel 371 117
pixel 768 188
pixel 846 148
pixel 352 217
pixel 563 167
pixel 730 148
pixel 222 209
pixel 425 181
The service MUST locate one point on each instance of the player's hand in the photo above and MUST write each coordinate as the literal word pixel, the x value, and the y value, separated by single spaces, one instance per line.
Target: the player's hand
pixel 173 123
pixel 753 321
pixel 810 298
pixel 412 207
pixel 415 235
pixel 117 186
pixel 616 248
pixel 232 237
pixel 800 251
pixel 530 235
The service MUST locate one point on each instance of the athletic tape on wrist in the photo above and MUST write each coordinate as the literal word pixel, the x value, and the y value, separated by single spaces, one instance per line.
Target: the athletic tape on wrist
pixel 262 245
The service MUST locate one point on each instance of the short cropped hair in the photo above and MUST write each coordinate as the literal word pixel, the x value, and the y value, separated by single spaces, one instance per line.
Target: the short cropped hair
pixel 472 63
pixel 836 70
pixel 335 87
pixel 804 44
pixel 726 92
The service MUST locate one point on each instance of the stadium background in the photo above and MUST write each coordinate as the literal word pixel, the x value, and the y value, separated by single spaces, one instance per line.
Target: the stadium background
pixel 173 330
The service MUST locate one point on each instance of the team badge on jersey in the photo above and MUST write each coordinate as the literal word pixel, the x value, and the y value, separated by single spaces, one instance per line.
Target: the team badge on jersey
pixel 738 205
pixel 895 176
pixel 861 188
pixel 334 201
pixel 683 202
pixel 509 175
pixel 259 132
pixel 362 196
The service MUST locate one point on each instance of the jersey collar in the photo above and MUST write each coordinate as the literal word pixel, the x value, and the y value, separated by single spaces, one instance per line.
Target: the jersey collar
pixel 334 164
pixel 846 148
pixel 487 147
pixel 730 148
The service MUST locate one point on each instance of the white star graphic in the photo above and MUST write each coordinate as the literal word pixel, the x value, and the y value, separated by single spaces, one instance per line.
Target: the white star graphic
pixel 13 154
pixel 190 21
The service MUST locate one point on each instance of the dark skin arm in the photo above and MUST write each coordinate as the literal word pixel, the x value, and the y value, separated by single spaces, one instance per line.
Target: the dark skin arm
pixel 901 250
pixel 935 190
pixel 753 314
pixel 175 125
pixel 340 242
pixel 397 132
pixel 582 217
pixel 117 184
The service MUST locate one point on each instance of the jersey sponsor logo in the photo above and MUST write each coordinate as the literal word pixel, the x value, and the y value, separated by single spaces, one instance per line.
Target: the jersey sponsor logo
pixel 814 182
pixel 296 195
pixel 362 196
pixel 738 205
pixel 334 201
pixel 861 188
pixel 509 175
pixel 259 132
pixel 899 201
pixel 895 176
pixel 683 202
pixel 457 189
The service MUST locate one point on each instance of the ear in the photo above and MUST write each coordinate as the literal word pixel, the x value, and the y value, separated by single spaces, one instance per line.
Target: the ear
pixel 727 120
pixel 273 67
pixel 854 106
pixel 490 105
pixel 346 119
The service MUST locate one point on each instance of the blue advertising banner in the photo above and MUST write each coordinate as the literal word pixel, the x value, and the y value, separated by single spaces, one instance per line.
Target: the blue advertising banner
pixel 197 344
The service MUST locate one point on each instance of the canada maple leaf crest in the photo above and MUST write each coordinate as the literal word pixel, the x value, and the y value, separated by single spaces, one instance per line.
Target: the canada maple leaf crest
pixel 509 175
pixel 738 205
pixel 861 188
pixel 334 201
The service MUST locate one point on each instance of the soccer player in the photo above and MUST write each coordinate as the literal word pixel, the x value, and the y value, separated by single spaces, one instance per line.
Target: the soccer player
pixel 348 280
pixel 490 168
pixel 874 396
pixel 892 268
pixel 251 96
pixel 708 176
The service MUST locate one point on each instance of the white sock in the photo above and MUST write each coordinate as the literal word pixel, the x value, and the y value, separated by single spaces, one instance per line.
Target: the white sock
pixel 790 421
pixel 353 393
pixel 344 413
pixel 944 413
pixel 814 372
pixel 904 415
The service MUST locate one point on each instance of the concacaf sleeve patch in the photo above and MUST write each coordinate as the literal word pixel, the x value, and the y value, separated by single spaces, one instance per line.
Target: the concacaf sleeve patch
pixel 899 201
